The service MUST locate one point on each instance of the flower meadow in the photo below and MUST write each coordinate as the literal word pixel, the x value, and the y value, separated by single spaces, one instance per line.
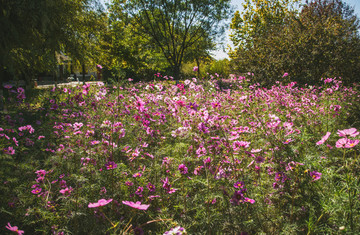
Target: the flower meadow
pixel 198 157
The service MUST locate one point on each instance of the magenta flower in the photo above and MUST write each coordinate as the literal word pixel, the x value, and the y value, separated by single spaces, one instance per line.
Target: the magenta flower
pixel 207 160
pixel 196 68
pixel 36 190
pixel 177 230
pixel 280 176
pixel 129 183
pixel 192 106
pixel 139 191
pixel 66 191
pixel 341 143
pixel 252 201
pixel 216 104
pixel 14 229
pixel 9 150
pixel 183 169
pixel 351 143
pixel 237 198
pixel 166 184
pixel 352 132
pixel 285 75
pixel 315 175
pixel 151 187
pixel 110 165
pixel 197 170
pixel 240 144
pixel 239 184
pixel 136 205
pixel 138 174
pixel 323 139
pixel 101 202
pixel 201 151
pixel 40 173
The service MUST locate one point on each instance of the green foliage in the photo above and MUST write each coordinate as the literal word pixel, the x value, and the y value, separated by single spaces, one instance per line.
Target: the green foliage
pixel 274 37
pixel 130 55
pixel 174 27
pixel 33 31
pixel 259 142
pixel 220 67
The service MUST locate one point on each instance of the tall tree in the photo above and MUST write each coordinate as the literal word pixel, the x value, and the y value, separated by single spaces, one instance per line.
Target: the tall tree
pixel 129 54
pixel 174 26
pixel 32 31
pixel 256 34
pixel 318 40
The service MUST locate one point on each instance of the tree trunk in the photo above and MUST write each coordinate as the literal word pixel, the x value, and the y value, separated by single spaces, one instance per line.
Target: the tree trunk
pixel 55 78
pixel 61 72
pixel 176 70
pixel 83 72
pixel 198 65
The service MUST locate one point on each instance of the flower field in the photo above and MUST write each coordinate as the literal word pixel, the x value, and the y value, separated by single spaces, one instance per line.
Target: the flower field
pixel 199 157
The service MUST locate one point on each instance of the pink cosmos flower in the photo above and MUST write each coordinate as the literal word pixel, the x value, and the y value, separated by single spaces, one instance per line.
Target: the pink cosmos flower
pixel 9 150
pixel 151 187
pixel 181 103
pixel 138 174
pixel 136 205
pixel 36 190
pixel 197 170
pixel 285 75
pixel 315 175
pixel 139 191
pixel 129 183
pixel 14 229
pixel 346 143
pixel 101 202
pixel 183 169
pixel 252 201
pixel 352 132
pixel 351 143
pixel 151 197
pixel 196 68
pixel 239 184
pixel 201 151
pixel 67 191
pixel 323 139
pixel 238 144
pixel 40 173
pixel 341 143
pixel 110 165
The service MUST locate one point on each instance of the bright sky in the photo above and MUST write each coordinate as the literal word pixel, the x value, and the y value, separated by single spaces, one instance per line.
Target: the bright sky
pixel 237 4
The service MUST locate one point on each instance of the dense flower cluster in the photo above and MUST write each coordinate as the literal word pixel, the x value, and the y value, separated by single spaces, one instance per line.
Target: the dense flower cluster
pixel 178 153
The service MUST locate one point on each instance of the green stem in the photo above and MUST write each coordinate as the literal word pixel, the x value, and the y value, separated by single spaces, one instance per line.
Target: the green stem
pixel 350 201
pixel 207 204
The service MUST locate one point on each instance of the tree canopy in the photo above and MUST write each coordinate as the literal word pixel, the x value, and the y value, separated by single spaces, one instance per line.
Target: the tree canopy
pixel 276 37
pixel 32 31
pixel 174 26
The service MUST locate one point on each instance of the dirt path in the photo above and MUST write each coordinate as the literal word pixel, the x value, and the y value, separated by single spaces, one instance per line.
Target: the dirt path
pixel 50 84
